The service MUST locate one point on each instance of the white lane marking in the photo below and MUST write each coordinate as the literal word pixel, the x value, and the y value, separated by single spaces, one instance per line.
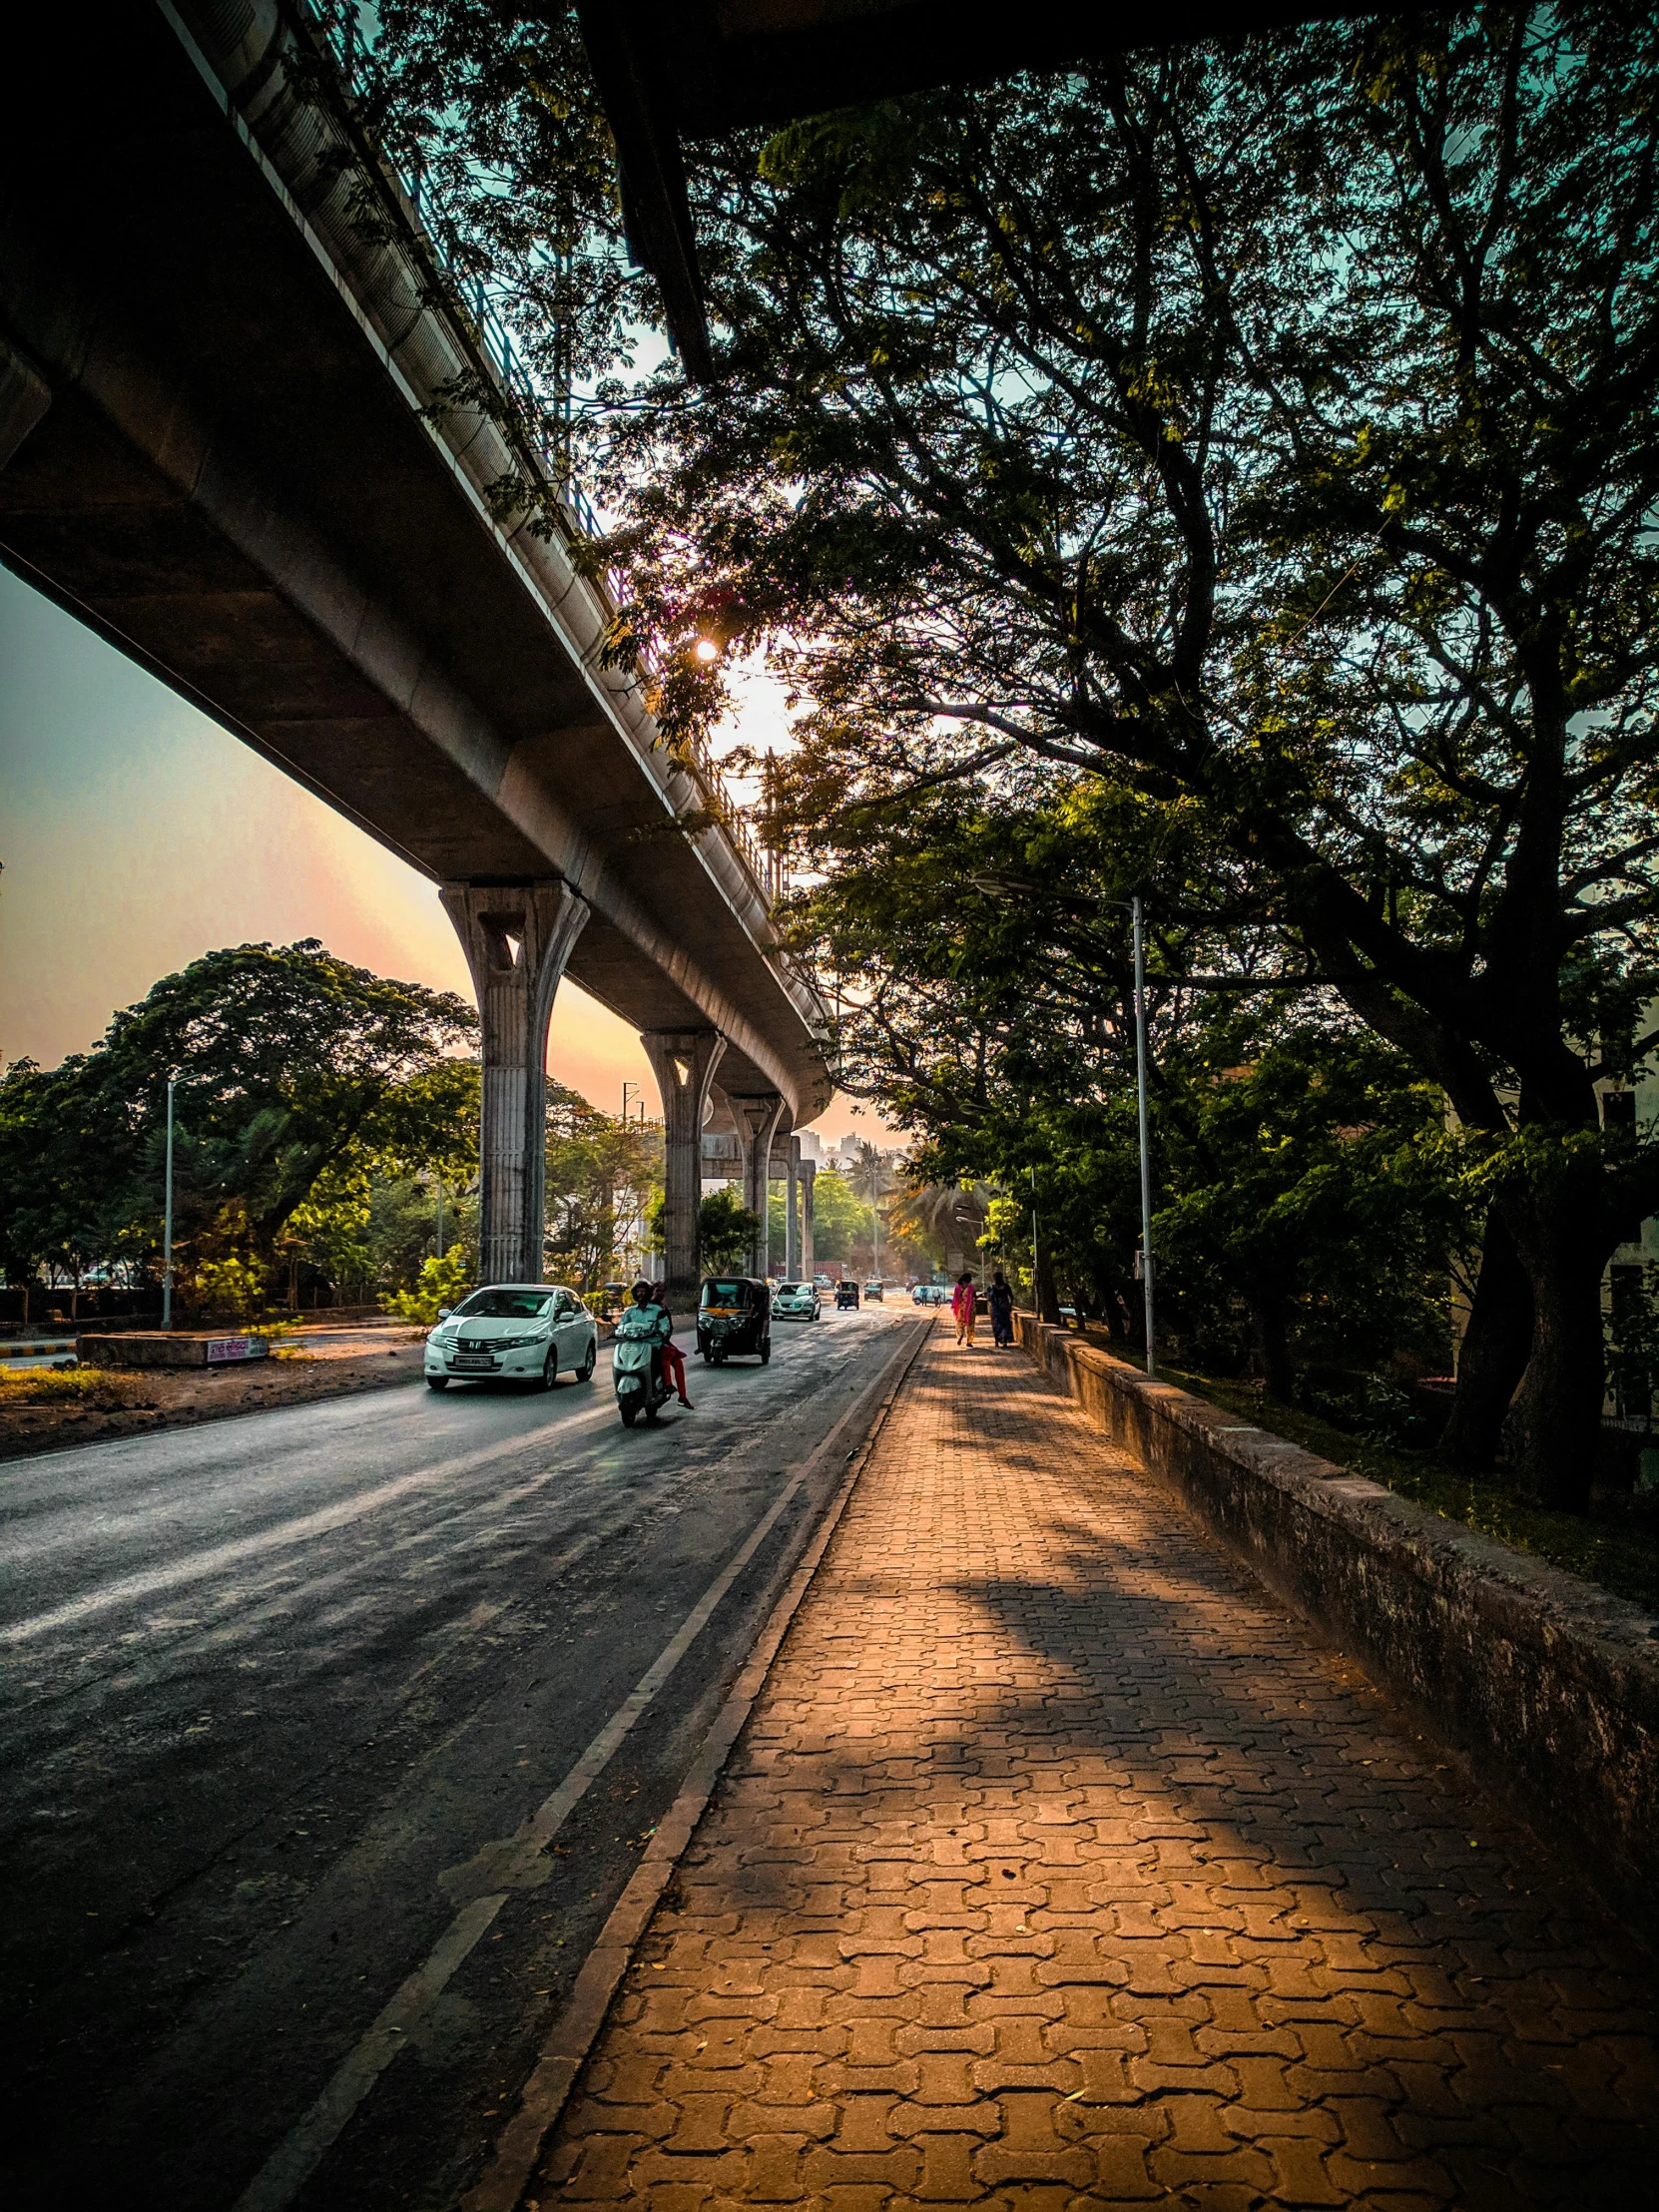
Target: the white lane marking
pixel 287 2170
pixel 303 2149
pixel 132 1588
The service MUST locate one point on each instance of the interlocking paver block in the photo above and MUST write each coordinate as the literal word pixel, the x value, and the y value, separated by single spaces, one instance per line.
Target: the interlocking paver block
pixel 1058 1869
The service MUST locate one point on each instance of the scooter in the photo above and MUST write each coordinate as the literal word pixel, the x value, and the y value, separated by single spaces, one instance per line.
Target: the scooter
pixel 638 1379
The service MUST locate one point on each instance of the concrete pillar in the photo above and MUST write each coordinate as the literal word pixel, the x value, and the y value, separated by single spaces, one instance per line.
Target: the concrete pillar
pixel 791 1232
pixel 517 939
pixel 757 1119
pixel 683 1062
pixel 24 398
pixel 808 1171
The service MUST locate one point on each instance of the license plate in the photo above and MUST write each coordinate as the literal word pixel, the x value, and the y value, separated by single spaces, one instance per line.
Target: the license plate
pixel 469 1360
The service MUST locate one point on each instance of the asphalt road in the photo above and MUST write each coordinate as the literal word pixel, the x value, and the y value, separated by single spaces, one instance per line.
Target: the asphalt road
pixel 279 1693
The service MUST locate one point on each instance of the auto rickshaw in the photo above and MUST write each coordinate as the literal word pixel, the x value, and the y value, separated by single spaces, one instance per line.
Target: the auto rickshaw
pixel 734 1317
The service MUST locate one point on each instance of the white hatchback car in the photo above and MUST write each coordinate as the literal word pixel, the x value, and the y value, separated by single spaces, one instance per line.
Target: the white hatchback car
pixel 517 1332
pixel 795 1302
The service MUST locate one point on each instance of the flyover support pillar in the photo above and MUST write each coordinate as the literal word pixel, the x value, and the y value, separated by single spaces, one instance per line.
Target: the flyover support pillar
pixel 683 1062
pixel 757 1119
pixel 809 1259
pixel 517 939
pixel 791 1200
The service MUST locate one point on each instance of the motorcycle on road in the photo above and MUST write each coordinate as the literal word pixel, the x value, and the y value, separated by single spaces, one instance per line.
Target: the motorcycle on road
pixel 637 1373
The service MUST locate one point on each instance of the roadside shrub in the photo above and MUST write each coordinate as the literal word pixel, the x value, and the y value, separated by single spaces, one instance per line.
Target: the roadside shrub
pixel 89 1387
pixel 440 1283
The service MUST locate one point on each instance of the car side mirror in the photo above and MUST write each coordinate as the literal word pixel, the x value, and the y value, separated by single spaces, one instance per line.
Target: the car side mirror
pixel 444 1311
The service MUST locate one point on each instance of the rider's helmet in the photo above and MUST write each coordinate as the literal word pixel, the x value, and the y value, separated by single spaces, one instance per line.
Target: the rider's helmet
pixel 642 1294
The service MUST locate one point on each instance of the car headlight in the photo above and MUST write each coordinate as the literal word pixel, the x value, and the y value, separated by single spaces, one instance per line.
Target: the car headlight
pixel 517 1344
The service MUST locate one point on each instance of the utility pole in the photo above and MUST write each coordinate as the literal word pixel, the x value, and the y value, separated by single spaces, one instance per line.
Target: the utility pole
pixel 166 1224
pixel 874 1215
pixel 1140 1100
pixel 440 1216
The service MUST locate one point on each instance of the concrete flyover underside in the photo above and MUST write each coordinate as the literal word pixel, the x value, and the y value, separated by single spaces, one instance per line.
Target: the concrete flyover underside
pixel 234 480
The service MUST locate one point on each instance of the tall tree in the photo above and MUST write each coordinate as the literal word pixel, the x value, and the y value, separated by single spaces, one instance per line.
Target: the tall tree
pixel 1269 431
pixel 603 1175
pixel 292 1068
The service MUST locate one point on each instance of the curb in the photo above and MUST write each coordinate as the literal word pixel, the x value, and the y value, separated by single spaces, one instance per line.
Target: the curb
pixel 574 2033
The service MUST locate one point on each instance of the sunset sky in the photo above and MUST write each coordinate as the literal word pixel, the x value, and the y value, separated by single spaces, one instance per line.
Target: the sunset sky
pixel 137 834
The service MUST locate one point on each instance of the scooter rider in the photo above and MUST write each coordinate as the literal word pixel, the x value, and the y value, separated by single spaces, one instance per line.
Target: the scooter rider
pixel 674 1360
pixel 650 1320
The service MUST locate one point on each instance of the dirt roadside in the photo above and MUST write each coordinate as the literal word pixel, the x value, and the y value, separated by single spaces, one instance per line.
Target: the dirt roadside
pixel 330 1364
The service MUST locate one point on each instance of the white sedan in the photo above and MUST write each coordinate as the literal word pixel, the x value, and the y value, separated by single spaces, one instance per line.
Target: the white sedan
pixel 795 1302
pixel 515 1332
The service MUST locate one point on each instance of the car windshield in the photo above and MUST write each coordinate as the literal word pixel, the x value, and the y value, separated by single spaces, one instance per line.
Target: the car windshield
pixel 726 1294
pixel 505 1305
pixel 788 1290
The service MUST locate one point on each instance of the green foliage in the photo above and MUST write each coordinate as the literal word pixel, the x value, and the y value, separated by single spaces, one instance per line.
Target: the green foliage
pixel 104 1387
pixel 840 1219
pixel 1314 1182
pixel 603 1180
pixel 1311 1200
pixel 726 1232
pixel 65 1169
pixel 443 1282
pixel 301 1082
pixel 235 1286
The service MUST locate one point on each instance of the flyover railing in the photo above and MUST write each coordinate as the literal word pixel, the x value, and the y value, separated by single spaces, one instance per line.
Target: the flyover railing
pixel 338 29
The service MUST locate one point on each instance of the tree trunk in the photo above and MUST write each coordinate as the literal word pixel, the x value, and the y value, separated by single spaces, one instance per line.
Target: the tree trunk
pixel 1556 1422
pixel 1273 1341
pixel 1048 1297
pixel 1497 1346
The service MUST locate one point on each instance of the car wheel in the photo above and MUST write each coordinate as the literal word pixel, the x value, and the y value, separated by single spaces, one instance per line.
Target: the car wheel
pixel 707 1357
pixel 584 1374
pixel 766 1352
pixel 550 1372
pixel 629 1414
pixel 437 1382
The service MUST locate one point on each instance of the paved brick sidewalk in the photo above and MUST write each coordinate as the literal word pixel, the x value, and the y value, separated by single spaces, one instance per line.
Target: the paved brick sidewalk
pixel 1057 1867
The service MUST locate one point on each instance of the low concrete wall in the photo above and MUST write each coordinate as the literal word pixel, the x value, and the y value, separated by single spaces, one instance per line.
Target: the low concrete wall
pixel 1547 1685
pixel 171 1348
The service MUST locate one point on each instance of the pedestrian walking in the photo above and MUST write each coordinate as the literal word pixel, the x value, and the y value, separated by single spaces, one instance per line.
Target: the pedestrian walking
pixel 962 1302
pixel 1000 1299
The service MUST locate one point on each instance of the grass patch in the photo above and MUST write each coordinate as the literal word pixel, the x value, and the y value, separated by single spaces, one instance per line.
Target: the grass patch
pixel 1609 1545
pixel 68 1387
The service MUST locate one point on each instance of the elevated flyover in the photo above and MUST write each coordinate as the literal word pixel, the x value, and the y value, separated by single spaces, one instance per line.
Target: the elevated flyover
pixel 225 355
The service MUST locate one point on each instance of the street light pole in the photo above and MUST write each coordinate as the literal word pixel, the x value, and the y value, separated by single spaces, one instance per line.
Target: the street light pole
pixel 166 1224
pixel 1140 1101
